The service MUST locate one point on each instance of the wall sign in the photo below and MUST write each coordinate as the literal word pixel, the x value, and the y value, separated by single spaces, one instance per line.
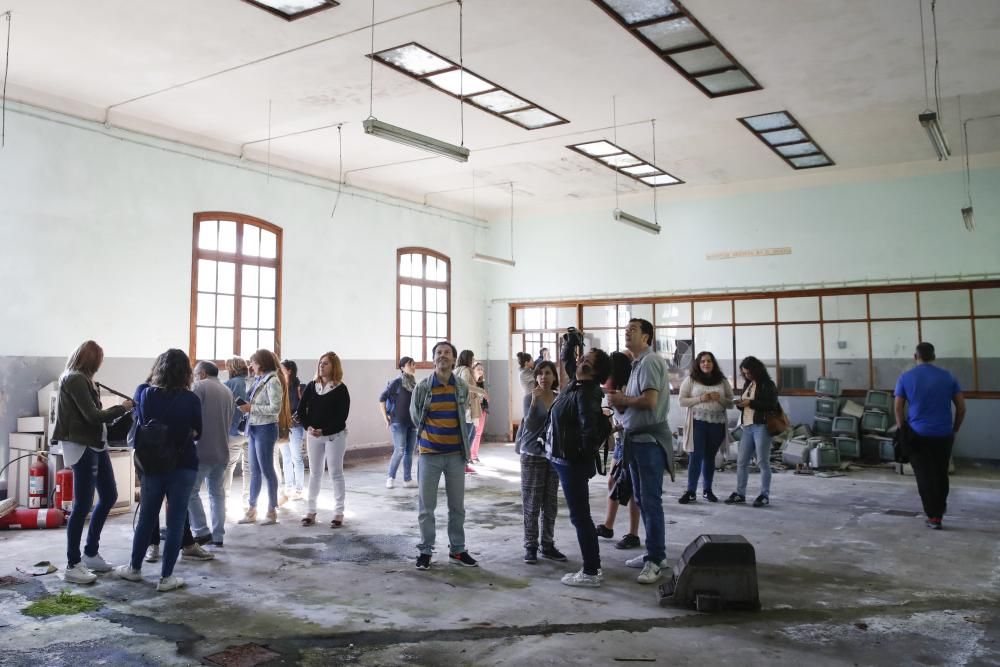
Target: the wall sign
pixel 758 252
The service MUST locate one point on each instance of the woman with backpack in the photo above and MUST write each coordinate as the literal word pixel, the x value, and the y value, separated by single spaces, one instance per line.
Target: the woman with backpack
pixel 760 396
pixel 394 403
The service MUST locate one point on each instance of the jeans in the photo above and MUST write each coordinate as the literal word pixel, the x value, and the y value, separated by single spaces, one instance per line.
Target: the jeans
pixel 404 440
pixel 574 479
pixel 707 439
pixel 237 453
pixel 755 439
pixel 647 466
pixel 92 471
pixel 215 475
pixel 176 487
pixel 262 439
pixel 930 457
pixel 329 449
pixel 291 459
pixel 477 436
pixel 430 467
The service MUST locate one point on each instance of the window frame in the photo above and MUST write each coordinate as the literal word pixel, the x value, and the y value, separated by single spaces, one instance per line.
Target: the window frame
pixel 239 260
pixel 423 283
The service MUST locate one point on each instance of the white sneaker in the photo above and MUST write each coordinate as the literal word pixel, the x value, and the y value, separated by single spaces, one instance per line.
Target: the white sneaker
pixel 410 484
pixel 651 572
pixel 95 563
pixel 195 552
pixel 128 573
pixel 169 583
pixel 389 482
pixel 636 562
pixel 582 579
pixel 153 553
pixel 79 574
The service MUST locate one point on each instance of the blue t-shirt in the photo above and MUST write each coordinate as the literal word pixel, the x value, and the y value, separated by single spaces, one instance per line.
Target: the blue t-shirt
pixel 928 391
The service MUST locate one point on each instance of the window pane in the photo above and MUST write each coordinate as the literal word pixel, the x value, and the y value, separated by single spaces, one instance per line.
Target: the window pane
pixel 758 341
pixel 432 330
pixel 417 298
pixel 988 354
pixel 846 307
pixel 417 349
pixel 404 267
pixel 404 323
pixel 268 244
pixel 268 281
pixel 227 241
pixel 944 303
pixel 227 278
pixel 893 304
pixel 893 344
pixel 718 341
pixel 799 347
pixel 952 340
pixel 224 313
pixel 223 343
pixel 206 309
pixel 533 318
pixel 442 301
pixel 755 310
pixel 266 339
pixel 677 347
pixel 208 235
pixel 442 321
pixel 802 309
pixel 987 302
pixel 519 319
pixel 713 312
pixel 845 346
pixel 417 322
pixel 267 314
pixel 631 310
pixel 204 343
pixel 251 241
pixel 251 276
pixel 605 339
pixel 248 342
pixel 673 314
pixel 248 317
pixel 404 297
pixel 599 316
pixel 417 266
pixel 431 297
pixel 206 275
pixel 565 317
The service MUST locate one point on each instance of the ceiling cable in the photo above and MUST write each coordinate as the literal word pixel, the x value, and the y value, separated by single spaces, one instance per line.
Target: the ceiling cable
pixel 653 124
pixel 614 135
pixel 512 220
pixel 937 64
pixel 923 50
pixel 371 69
pixel 461 75
pixel 6 66
pixel 340 168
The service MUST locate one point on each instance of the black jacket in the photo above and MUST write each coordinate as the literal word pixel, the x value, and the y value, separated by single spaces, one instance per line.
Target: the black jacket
pixel 577 426
pixel 327 412
pixel 79 415
pixel 765 400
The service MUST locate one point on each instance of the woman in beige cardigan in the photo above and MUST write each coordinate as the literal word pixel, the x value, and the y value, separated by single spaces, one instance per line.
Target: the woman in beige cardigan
pixel 474 410
pixel 706 394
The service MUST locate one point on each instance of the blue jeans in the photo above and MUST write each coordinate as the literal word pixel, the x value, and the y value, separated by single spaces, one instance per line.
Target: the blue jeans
pixel 291 459
pixel 647 466
pixel 707 439
pixel 430 467
pixel 216 476
pixel 92 471
pixel 262 439
pixel 176 487
pixel 574 479
pixel 757 440
pixel 404 439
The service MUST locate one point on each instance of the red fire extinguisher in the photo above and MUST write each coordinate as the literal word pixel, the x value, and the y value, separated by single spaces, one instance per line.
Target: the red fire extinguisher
pixel 37 478
pixel 22 518
pixel 64 490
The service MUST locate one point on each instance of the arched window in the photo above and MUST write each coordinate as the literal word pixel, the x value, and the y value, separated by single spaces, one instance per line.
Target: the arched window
pixel 423 302
pixel 235 286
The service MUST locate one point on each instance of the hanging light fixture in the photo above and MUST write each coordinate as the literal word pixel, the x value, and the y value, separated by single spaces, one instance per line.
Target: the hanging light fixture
pixel 628 218
pixel 968 219
pixel 491 259
pixel 930 119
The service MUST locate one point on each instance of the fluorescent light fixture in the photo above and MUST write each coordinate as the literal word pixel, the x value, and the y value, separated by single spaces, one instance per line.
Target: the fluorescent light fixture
pixel 929 120
pixel 490 259
pixel 377 128
pixel 618 159
pixel 622 216
pixel 788 139
pixel 292 9
pixel 970 222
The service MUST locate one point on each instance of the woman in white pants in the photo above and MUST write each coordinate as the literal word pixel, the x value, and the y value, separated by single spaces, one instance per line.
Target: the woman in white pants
pixel 323 412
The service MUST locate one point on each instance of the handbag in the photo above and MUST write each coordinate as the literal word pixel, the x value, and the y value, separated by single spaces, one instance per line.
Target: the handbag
pixel 776 421
pixel 155 454
pixel 902 443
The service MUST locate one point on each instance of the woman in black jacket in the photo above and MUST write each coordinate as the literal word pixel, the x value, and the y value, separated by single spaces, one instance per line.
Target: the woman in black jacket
pixel 759 397
pixel 577 429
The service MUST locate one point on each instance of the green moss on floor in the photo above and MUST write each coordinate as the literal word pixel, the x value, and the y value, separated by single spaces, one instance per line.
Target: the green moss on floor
pixel 63 604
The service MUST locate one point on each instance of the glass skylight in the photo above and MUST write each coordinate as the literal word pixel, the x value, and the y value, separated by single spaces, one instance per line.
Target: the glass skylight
pixel 499 101
pixel 533 118
pixel 769 121
pixel 798 149
pixel 783 136
pixel 458 82
pixel 727 82
pixel 810 161
pixel 633 11
pixel 620 160
pixel 788 139
pixel 673 34
pixel 597 148
pixel 641 170
pixel 293 9
pixel 662 179
pixel 415 59
pixel 702 60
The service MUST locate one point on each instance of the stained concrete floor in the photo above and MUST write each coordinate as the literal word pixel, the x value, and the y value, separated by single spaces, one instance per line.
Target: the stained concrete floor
pixel 842 582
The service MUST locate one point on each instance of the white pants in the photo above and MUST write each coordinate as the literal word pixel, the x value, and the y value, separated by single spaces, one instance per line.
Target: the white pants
pixel 329 449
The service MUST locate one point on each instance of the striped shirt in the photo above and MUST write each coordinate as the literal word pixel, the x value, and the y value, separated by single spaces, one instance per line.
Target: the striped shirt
pixel 440 434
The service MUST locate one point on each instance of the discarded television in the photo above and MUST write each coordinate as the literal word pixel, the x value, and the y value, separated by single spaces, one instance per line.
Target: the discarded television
pixel 715 573
pixel 828 386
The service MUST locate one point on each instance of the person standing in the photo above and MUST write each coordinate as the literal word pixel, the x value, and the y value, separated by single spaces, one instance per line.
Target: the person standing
pixel 239 384
pixel 526 375
pixel 479 375
pixel 706 394
pixel 394 403
pixel 473 407
pixel 759 396
pixel 437 410
pixel 291 449
pixel 323 413
pixel 217 405
pixel 80 427
pixel 647 444
pixel 543 355
pixel 924 396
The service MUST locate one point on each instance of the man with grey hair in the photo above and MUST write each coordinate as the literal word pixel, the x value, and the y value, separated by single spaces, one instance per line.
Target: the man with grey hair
pixel 217 405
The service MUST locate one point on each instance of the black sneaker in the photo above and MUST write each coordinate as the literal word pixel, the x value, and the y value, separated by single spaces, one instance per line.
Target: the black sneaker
pixel 710 497
pixel 217 545
pixel 761 501
pixel 604 531
pixel 735 499
pixel 549 551
pixel 688 497
pixel 463 559
pixel 531 556
pixel 630 541
pixel 202 540
pixel 424 562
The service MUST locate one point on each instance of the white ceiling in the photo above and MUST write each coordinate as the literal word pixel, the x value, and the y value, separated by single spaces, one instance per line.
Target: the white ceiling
pixel 205 73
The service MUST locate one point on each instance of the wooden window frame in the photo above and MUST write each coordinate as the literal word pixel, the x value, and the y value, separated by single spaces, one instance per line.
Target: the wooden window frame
pixel 421 282
pixel 239 260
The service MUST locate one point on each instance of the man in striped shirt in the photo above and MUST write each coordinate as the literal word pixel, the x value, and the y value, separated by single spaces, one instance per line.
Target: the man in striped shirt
pixel 438 412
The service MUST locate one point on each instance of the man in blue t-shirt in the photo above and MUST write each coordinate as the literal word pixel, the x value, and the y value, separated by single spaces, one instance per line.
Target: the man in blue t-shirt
pixel 923 400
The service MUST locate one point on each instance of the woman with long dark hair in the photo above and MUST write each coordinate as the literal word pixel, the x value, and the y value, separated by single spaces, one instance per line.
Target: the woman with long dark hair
pixel 291 449
pixel 706 394
pixel 80 427
pixel 760 396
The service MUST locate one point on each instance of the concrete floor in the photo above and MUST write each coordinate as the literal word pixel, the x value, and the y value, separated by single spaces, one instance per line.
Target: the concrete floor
pixel 841 583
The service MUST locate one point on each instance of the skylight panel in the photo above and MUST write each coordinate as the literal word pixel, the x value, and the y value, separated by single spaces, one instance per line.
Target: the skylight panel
pixel 725 83
pixel 636 11
pixel 432 69
pixel 292 9
pixel 783 136
pixel 769 121
pixel 810 161
pixel 788 139
pixel 626 163
pixel 806 148
pixel 677 34
pixel 703 60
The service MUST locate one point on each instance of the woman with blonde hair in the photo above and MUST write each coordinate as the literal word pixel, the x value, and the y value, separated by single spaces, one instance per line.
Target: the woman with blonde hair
pixel 323 411
pixel 267 407
pixel 80 427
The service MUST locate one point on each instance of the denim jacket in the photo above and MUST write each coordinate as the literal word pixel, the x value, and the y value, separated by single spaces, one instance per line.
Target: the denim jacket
pixel 421 402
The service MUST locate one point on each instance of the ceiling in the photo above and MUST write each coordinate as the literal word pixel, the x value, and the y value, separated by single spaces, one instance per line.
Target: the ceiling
pixel 226 75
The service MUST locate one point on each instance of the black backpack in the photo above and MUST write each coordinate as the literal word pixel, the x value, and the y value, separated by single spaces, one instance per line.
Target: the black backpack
pixel 155 454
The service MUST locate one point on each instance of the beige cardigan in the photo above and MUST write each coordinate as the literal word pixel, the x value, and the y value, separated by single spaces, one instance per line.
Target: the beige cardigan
pixel 687 400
